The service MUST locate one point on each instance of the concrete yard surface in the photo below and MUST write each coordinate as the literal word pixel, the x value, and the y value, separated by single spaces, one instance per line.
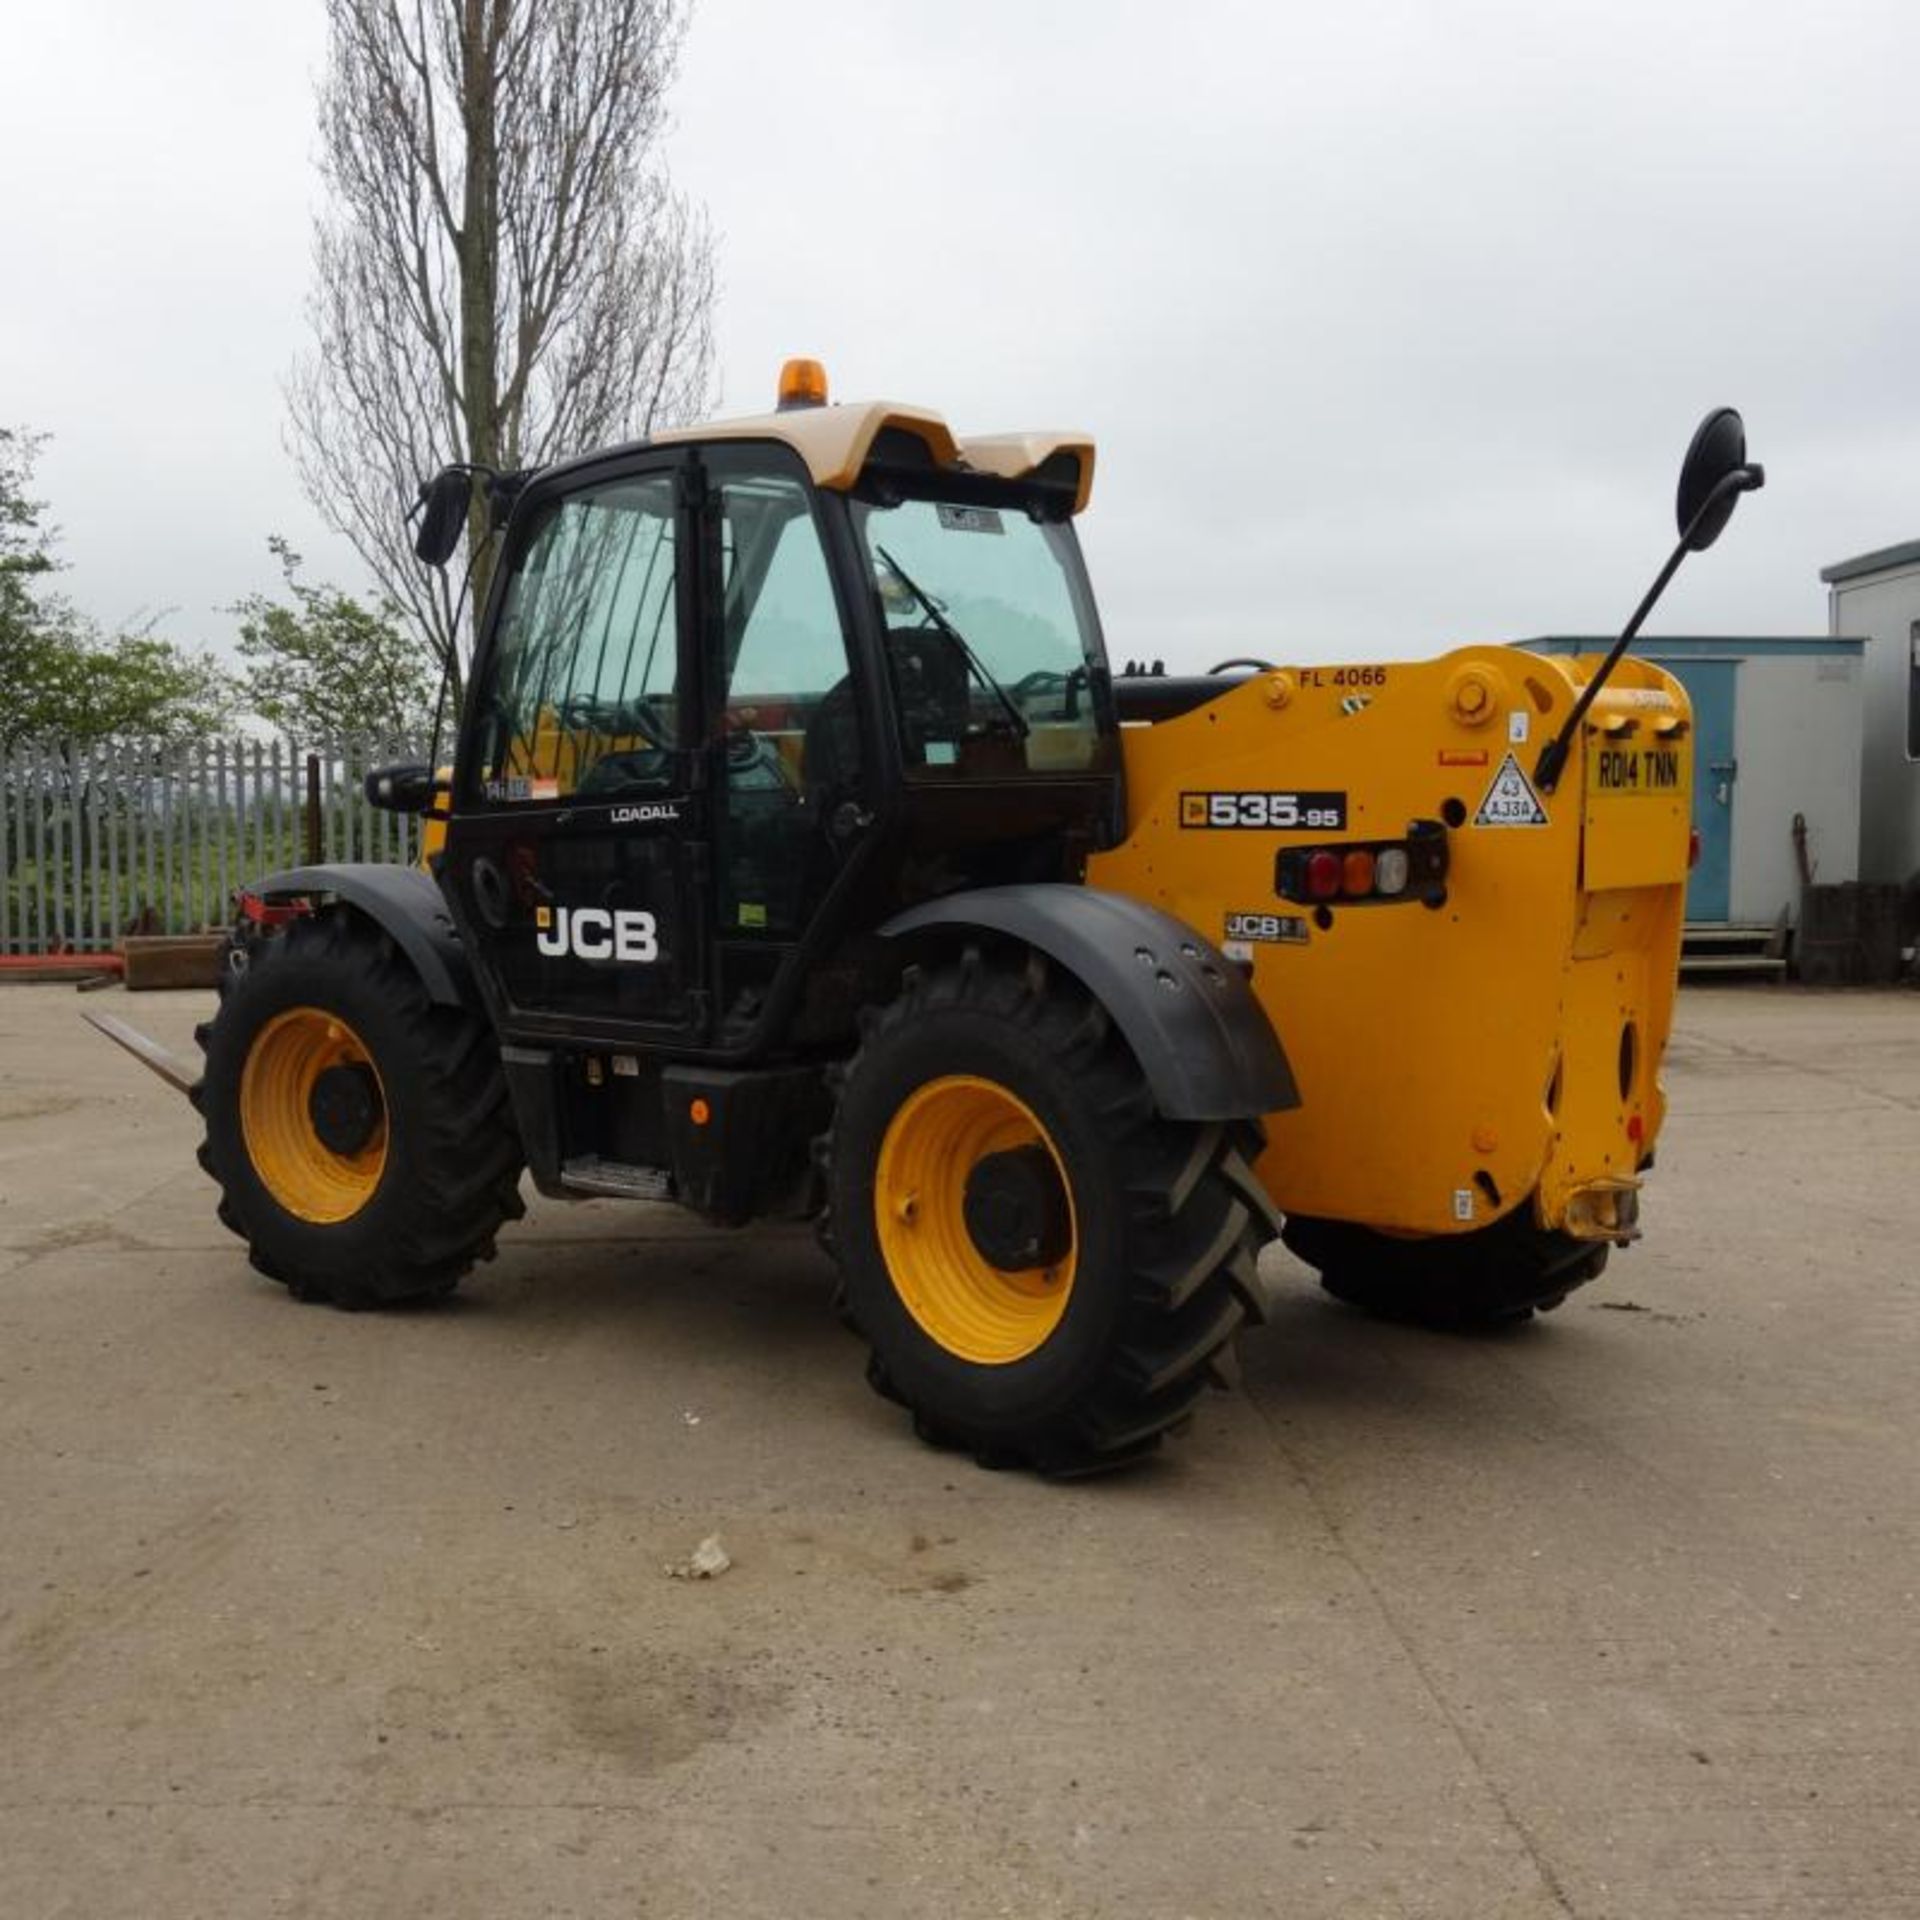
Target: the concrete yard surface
pixel 312 1613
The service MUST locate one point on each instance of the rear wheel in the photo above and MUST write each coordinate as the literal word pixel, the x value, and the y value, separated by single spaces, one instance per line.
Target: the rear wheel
pixel 1048 1271
pixel 1495 1276
pixel 359 1132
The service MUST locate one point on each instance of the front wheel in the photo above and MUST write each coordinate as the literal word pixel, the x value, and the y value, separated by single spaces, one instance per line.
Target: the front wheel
pixel 1048 1270
pixel 359 1132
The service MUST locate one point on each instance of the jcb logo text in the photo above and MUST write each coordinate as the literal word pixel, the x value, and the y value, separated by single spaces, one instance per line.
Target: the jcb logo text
pixel 597 933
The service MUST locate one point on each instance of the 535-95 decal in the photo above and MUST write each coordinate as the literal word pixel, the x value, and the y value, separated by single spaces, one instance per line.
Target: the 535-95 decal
pixel 1269 812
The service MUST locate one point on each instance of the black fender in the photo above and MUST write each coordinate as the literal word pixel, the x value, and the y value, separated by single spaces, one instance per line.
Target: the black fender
pixel 402 902
pixel 1202 1039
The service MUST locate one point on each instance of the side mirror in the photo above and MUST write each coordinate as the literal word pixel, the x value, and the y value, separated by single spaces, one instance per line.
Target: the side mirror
pixel 444 500
pixel 1713 476
pixel 407 786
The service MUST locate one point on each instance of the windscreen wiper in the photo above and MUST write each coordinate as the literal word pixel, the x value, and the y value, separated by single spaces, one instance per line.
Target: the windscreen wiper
pixel 945 626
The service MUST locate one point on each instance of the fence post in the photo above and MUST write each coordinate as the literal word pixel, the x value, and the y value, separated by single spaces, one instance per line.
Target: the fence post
pixel 116 787
pixel 239 814
pixel 55 820
pixel 259 810
pixel 9 807
pixel 86 878
pixel 274 820
pixel 203 886
pixel 96 848
pixel 220 818
pixel 314 853
pixel 149 821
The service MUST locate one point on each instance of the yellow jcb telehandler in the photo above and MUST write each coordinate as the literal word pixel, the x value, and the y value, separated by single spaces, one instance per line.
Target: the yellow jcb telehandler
pixel 802 855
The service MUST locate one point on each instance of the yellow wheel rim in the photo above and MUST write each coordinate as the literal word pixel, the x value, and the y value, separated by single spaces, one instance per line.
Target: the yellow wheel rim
pixel 973 1309
pixel 306 1176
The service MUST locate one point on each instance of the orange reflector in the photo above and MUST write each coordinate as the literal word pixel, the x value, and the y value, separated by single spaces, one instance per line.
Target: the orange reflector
pixel 1356 872
pixel 803 383
pixel 699 1113
pixel 1636 1128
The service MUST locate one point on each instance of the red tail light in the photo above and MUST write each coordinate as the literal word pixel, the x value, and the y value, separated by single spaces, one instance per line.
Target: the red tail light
pixel 1371 872
pixel 1693 848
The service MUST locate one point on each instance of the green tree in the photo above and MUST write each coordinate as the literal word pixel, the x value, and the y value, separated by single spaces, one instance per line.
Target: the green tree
pixel 63 679
pixel 78 684
pixel 25 549
pixel 321 664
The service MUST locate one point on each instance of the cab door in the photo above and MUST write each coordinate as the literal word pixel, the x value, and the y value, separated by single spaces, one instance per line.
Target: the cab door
pixel 791 783
pixel 576 858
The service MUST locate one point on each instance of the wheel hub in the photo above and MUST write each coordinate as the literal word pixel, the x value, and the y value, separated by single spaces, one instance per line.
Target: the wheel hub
pixel 313 1115
pixel 344 1107
pixel 1016 1210
pixel 974 1214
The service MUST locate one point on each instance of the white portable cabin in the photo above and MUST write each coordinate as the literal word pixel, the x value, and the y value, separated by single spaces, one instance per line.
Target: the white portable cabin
pixel 1878 595
pixel 1776 738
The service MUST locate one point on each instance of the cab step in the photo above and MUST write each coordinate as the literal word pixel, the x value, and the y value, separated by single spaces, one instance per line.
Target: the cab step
pixel 615 1180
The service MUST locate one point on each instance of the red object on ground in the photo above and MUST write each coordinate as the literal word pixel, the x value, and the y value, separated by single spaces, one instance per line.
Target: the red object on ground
pixel 270 913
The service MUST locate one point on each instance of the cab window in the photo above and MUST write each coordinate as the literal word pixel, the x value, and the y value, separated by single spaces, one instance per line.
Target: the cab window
pixel 990 637
pixel 581 697
pixel 788 717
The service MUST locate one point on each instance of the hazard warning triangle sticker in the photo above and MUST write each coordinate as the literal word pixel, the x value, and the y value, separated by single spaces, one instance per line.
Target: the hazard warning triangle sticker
pixel 1511 800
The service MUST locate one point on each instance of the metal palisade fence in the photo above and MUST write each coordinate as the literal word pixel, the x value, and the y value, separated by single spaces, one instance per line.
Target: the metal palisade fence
pixel 150 836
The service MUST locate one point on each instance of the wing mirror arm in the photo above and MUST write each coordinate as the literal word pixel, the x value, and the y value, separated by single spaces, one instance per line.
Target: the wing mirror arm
pixel 1715 475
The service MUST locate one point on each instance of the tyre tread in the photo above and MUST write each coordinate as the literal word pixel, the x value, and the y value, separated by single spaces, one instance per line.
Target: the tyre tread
pixel 466 1152
pixel 1198 1218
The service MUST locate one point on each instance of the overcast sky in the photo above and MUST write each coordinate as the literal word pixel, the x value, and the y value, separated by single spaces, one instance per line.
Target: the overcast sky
pixel 1392 321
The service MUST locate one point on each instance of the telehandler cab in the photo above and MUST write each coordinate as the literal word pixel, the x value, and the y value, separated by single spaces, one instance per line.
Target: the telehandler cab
pixel 801 855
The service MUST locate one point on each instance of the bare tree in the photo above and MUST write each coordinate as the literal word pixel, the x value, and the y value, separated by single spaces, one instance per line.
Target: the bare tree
pixel 505 273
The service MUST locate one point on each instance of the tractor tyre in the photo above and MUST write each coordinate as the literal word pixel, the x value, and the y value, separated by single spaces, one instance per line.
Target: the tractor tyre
pixel 1048 1271
pixel 1496 1276
pixel 359 1132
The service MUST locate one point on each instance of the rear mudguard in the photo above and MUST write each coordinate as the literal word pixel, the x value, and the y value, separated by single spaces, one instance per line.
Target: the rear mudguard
pixel 404 903
pixel 1202 1039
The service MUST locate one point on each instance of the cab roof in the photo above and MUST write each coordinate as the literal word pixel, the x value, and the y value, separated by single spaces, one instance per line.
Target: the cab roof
pixel 835 442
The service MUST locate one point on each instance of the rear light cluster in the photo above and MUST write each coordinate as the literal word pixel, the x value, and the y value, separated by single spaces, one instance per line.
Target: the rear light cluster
pixel 1360 872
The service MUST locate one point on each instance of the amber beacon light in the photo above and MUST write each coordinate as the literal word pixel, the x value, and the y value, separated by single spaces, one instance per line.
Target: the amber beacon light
pixel 803 383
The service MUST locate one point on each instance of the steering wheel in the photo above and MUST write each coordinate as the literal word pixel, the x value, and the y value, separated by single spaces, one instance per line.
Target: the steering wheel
pixel 1243 660
pixel 751 754
pixel 641 767
pixel 1038 681
pixel 1048 680
pixel 611 718
pixel 930 676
